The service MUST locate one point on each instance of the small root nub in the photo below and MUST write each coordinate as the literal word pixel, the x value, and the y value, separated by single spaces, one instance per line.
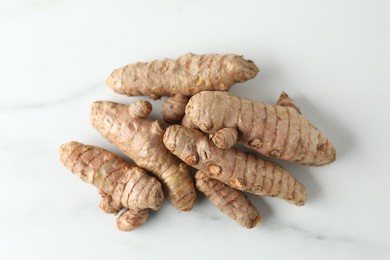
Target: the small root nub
pixel 140 109
pixel 214 169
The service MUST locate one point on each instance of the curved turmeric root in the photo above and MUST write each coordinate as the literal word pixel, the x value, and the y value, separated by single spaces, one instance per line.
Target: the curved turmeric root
pixel 230 201
pixel 272 130
pixel 240 170
pixel 141 139
pixel 187 75
pixel 120 184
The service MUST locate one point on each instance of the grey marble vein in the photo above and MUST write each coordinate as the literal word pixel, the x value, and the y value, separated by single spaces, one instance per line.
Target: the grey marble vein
pixel 327 238
pixel 50 103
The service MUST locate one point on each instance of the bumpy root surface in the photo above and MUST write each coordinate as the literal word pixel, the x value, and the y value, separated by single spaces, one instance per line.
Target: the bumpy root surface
pixel 187 75
pixel 141 139
pixel 240 170
pixel 272 130
pixel 230 201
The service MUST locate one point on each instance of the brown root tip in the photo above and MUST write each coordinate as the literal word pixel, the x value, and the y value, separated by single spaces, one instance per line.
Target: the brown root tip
pixel 106 207
pixel 131 219
pixel 333 156
pixel 247 70
pixel 286 101
pixel 300 201
pixel 114 81
pixel 257 221
pixel 186 208
pixel 189 208
pixel 332 153
pixel 140 109
pixel 283 95
pixel 189 202
pixel 159 198
pixel 66 149
pixel 110 82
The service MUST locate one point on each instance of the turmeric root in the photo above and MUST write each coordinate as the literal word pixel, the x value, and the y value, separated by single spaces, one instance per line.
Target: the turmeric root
pixel 230 201
pixel 131 219
pixel 173 108
pixel 240 170
pixel 272 130
pixel 187 75
pixel 141 139
pixel 120 184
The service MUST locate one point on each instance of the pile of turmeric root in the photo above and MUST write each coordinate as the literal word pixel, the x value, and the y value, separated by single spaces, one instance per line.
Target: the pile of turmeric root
pixel 205 122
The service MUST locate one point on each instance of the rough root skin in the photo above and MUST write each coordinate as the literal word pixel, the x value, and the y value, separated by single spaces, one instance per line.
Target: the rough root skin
pixel 120 184
pixel 140 109
pixel 225 138
pixel 272 130
pixel 131 219
pixel 187 123
pixel 187 75
pixel 141 139
pixel 173 108
pixel 230 201
pixel 240 170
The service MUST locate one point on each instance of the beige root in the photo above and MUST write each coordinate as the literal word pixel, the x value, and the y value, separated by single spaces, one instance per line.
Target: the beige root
pixel 240 170
pixel 120 184
pixel 131 219
pixel 230 201
pixel 187 75
pixel 173 108
pixel 141 139
pixel 272 130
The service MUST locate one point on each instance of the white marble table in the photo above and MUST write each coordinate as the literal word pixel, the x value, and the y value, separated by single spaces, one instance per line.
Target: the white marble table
pixel 332 57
